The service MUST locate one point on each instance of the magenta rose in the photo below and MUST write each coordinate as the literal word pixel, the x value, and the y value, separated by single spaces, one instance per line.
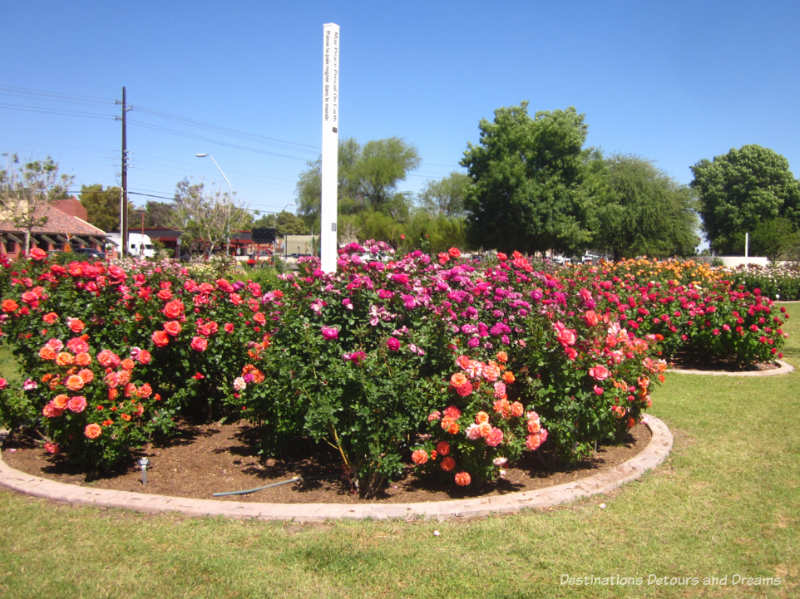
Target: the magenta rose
pixel 330 332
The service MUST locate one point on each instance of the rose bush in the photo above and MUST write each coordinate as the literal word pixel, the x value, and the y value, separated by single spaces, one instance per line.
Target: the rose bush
pixel 453 365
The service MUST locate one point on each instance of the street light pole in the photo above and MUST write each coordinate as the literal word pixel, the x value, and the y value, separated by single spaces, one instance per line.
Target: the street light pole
pixel 230 200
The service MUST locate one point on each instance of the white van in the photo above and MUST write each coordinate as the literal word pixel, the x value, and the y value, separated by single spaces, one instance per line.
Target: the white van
pixel 138 244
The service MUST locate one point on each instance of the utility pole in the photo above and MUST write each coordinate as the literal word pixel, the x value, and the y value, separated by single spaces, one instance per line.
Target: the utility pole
pixel 123 201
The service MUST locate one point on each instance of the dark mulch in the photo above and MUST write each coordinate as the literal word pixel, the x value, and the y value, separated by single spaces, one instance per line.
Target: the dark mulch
pixel 217 457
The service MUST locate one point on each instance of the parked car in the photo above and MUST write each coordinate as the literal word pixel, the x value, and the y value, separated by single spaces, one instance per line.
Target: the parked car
pixel 91 253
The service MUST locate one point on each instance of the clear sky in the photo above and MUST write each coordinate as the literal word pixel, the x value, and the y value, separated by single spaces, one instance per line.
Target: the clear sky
pixel 669 81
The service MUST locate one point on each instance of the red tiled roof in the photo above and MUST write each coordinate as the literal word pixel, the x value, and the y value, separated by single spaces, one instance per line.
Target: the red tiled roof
pixel 58 222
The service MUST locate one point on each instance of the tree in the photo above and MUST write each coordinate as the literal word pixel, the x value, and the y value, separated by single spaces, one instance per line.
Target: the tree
pixel 367 179
pixel 777 239
pixel 26 192
pixel 642 211
pixel 284 223
pixel 102 206
pixel 739 190
pixel 526 174
pixel 158 215
pixel 445 196
pixel 206 221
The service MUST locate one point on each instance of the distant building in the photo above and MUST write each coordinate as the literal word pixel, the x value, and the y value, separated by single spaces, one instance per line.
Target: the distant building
pixel 66 224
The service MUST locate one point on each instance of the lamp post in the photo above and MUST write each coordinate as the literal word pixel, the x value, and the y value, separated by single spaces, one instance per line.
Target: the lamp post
pixel 230 188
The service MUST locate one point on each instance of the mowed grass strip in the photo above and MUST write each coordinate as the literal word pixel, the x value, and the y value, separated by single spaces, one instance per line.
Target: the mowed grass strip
pixel 724 505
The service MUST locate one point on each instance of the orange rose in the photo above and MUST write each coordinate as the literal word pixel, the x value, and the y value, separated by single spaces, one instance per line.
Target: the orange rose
pixel 92 431
pixel 509 377
pixel 64 358
pixel 60 401
pixel 83 359
pixel 481 417
pixel 74 382
pixel 87 376
pixel 448 464
pixel 463 479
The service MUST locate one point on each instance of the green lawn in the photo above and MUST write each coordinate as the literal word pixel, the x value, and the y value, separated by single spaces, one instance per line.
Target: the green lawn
pixel 726 504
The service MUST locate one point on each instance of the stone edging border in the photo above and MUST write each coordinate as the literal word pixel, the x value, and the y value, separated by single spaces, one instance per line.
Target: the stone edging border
pixel 603 482
pixel 784 368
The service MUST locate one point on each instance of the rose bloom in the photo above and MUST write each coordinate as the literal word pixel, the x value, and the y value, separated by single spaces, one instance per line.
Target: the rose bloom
pixel 452 412
pixel 464 389
pixel 76 404
pixel 473 432
pixel 199 343
pixel 599 372
pixel 125 417
pixel 75 325
pixel 83 359
pixel 502 357
pixel 172 328
pixel 443 448
pixel 50 317
pixel 393 343
pixel 51 448
pixel 448 464
pixel 463 479
pixel 517 409
pixel 127 364
pixel 74 382
pixel 50 410
pixel 494 438
pixel 454 252
pixel 239 384
pixel 458 379
pixel 87 376
pixel 144 356
pixel 9 305
pixel 77 345
pixel 145 391
pixel 484 428
pixel 509 377
pixel 160 338
pixel 64 358
pixel 330 332
pixel 46 353
pixel 108 358
pixel 491 372
pixel 60 401
pixel 450 425
pixel 481 417
pixel 434 416
pixel 92 431
pixel 419 456
pixel 173 309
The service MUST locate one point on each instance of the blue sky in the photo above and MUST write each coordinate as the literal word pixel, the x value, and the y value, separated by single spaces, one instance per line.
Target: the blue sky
pixel 671 82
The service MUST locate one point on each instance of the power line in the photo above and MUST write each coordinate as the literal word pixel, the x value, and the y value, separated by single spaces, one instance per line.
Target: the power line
pixel 212 140
pixel 22 91
pixel 44 110
pixel 235 132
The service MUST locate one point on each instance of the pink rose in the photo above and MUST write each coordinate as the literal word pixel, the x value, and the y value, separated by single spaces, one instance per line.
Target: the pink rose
pixel 199 343
pixel 76 404
pixel 599 372
pixel 495 437
pixel 330 332
pixel 393 343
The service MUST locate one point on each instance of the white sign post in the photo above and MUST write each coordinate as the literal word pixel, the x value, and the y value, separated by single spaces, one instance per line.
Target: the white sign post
pixel 330 147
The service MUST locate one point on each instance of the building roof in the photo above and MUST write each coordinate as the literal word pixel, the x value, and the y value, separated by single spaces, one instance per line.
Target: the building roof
pixel 58 221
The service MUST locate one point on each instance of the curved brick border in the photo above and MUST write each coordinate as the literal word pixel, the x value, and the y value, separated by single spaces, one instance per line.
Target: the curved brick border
pixel 603 482
pixel 784 368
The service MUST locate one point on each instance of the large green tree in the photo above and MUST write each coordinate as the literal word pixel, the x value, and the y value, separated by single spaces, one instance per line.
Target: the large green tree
pixel 367 179
pixel 526 178
pixel 641 211
pixel 26 190
pixel 739 190
pixel 445 196
pixel 102 206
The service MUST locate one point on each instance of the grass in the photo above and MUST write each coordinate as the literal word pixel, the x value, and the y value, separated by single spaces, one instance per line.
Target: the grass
pixel 726 504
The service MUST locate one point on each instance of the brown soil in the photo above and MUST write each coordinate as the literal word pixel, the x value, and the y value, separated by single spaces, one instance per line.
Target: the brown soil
pixel 216 458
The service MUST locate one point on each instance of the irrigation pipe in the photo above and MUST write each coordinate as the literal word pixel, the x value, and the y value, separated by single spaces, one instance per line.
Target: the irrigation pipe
pixel 246 491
